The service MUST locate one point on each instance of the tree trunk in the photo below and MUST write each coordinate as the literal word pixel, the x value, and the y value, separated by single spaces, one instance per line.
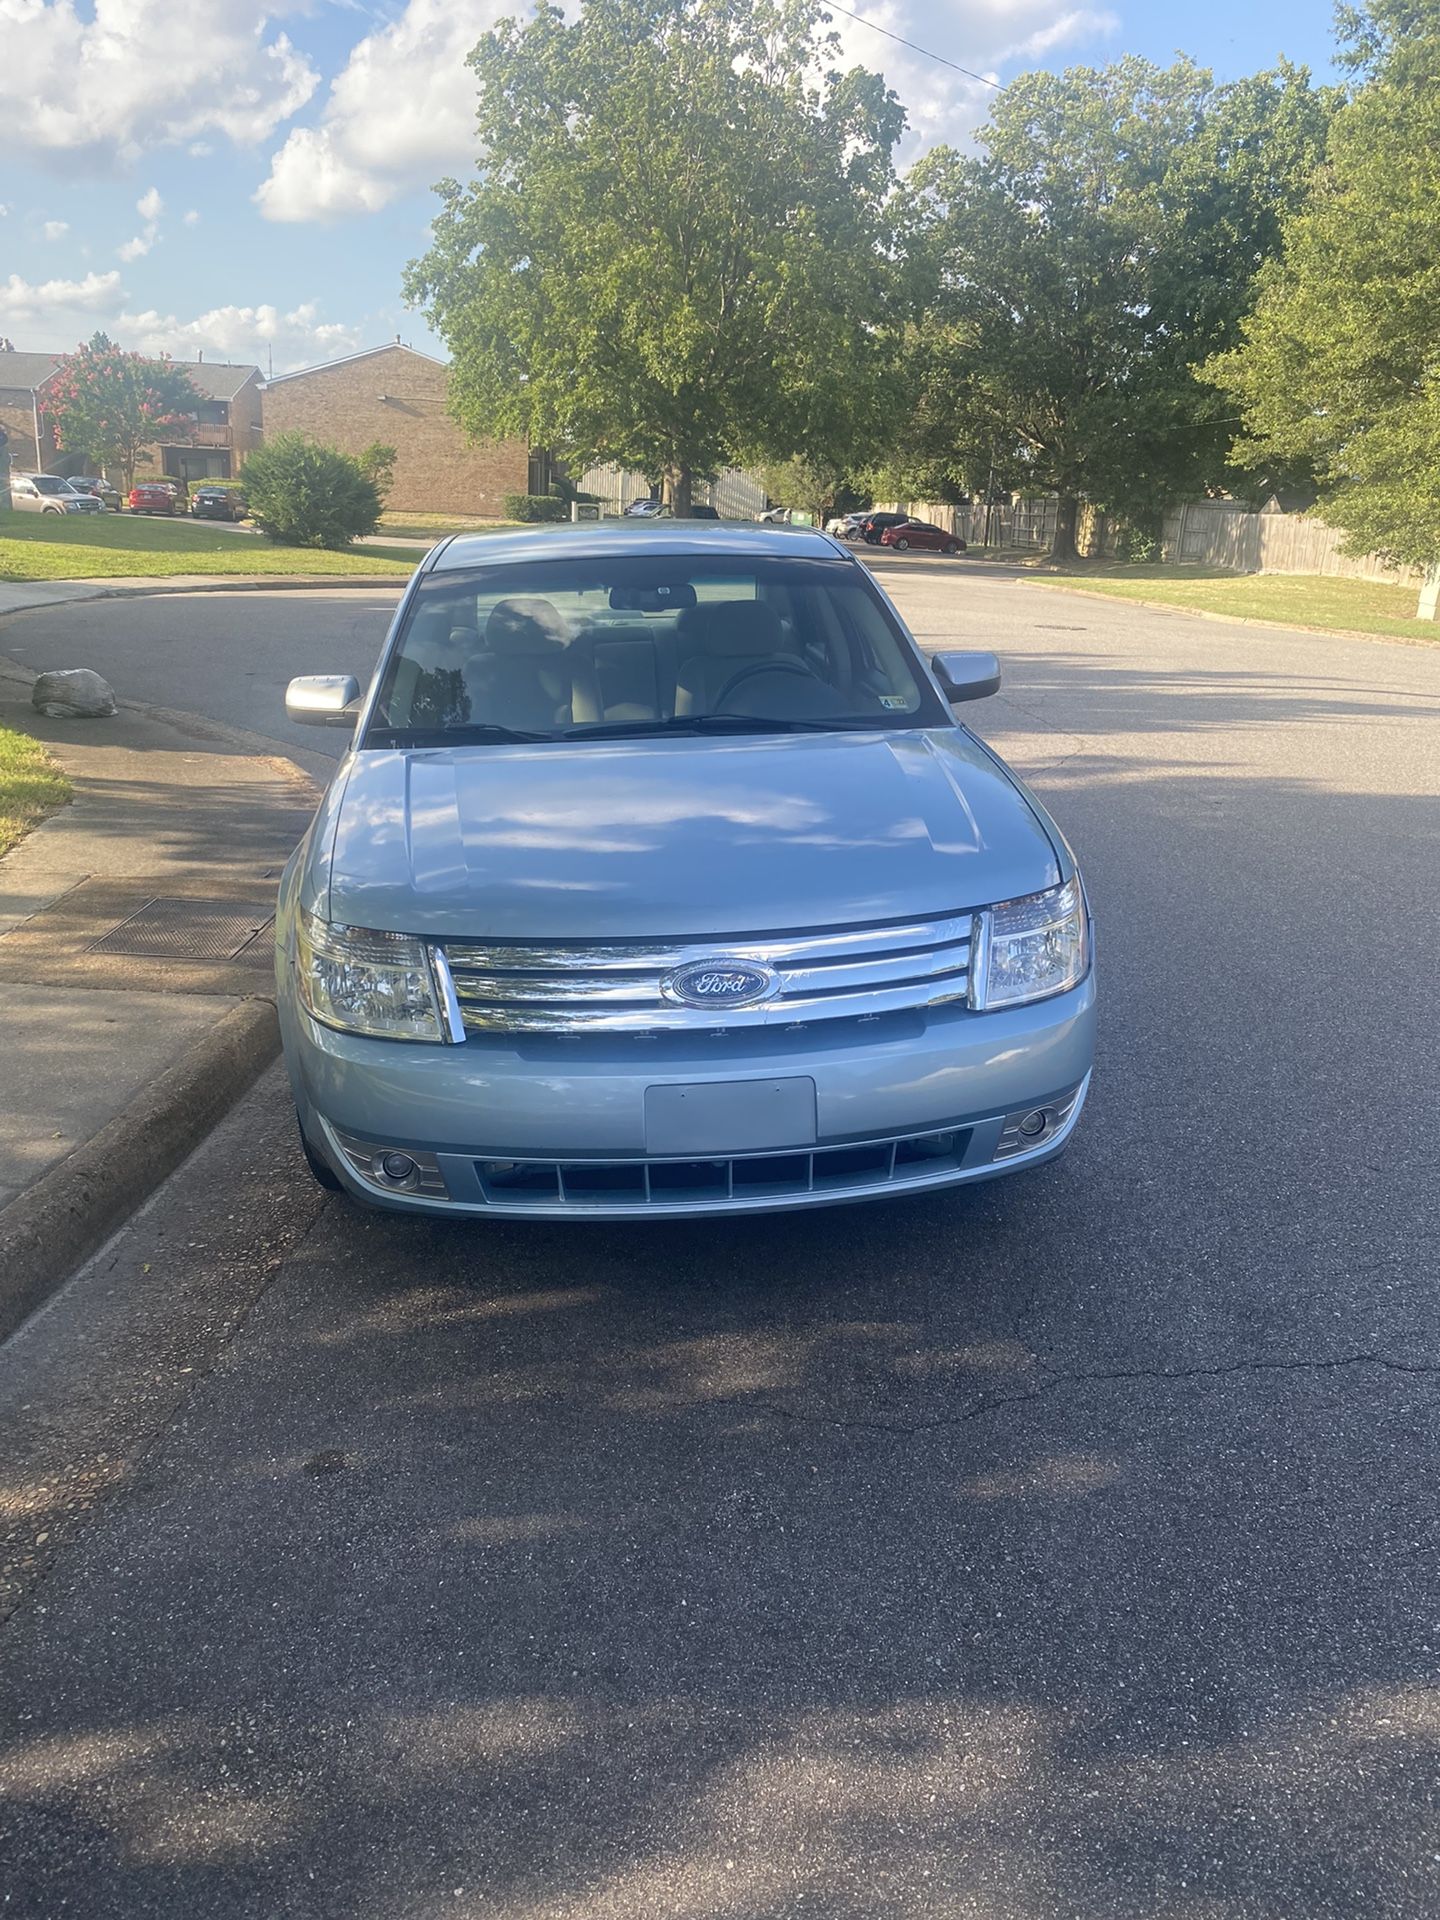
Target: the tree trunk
pixel 679 485
pixel 1067 514
pixel 1429 607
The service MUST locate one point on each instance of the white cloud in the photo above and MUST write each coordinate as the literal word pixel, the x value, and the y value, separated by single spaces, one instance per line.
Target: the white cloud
pixel 55 229
pixel 135 249
pixel 294 339
pixel 400 113
pixel 402 110
pixel 103 81
pixel 150 206
pixel 54 314
pixel 39 307
pixel 987 36
pixel 192 218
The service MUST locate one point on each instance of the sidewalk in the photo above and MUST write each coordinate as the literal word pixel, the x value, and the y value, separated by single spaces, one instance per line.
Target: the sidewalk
pixel 136 968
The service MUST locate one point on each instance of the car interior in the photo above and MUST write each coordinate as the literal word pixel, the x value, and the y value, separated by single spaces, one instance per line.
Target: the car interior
pixel 646 654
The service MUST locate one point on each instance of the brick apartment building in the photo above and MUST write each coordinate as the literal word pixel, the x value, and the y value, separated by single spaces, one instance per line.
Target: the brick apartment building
pixel 398 396
pixel 214 446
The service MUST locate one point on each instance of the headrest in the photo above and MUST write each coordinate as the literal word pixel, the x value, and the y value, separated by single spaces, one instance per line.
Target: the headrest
pixel 734 629
pixel 525 626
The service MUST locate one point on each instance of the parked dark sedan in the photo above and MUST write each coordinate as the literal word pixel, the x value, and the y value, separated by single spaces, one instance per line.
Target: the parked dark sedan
pixel 218 503
pixel 921 533
pixel 104 492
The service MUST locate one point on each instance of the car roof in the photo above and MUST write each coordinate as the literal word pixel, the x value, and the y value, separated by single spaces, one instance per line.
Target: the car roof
pixel 600 540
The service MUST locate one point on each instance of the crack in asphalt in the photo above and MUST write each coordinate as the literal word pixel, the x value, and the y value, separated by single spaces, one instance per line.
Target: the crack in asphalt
pixel 1119 1376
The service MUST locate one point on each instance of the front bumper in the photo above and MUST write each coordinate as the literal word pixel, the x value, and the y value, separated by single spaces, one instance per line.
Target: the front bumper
pixel 902 1104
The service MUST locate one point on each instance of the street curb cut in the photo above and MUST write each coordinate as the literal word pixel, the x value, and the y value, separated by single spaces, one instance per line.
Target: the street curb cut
pixel 52 1226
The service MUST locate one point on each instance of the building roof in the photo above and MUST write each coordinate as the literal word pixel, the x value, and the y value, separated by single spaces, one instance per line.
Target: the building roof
pixel 348 359
pixel 25 370
pixel 604 539
pixel 216 379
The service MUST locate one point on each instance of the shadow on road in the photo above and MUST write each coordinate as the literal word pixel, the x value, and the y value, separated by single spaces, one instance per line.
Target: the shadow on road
pixel 1062 1546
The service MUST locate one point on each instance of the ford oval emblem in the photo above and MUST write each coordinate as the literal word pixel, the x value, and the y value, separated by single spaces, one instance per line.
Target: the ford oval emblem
pixel 720 983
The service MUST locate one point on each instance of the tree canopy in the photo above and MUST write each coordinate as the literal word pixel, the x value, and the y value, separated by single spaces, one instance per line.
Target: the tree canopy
pixel 1105 236
pixel 109 405
pixel 675 253
pixel 1339 366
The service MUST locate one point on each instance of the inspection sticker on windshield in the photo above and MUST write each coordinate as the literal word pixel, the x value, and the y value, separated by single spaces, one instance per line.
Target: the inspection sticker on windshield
pixel 893 700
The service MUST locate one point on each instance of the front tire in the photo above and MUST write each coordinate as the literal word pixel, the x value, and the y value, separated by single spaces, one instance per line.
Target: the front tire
pixel 902 546
pixel 952 549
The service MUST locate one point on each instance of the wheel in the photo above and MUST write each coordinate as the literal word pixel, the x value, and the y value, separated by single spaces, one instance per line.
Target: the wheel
pixel 952 549
pixel 901 546
pixel 325 1175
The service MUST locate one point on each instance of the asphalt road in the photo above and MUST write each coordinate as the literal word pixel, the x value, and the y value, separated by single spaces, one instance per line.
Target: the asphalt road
pixel 1062 1547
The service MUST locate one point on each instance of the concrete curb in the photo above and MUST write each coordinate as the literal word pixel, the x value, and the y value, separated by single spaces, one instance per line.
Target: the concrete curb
pixel 47 1230
pixel 217 583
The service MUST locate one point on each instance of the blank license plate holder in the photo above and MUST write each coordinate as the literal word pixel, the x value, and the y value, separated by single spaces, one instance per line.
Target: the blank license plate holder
pixel 730 1117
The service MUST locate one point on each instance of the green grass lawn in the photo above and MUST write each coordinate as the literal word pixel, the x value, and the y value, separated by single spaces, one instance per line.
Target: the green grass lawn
pixel 435 526
pixel 31 786
pixel 35 546
pixel 1293 599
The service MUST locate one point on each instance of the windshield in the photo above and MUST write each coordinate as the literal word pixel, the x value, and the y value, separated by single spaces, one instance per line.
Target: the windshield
pixel 43 483
pixel 635 644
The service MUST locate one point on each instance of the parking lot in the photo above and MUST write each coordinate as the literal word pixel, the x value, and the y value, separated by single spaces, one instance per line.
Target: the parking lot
pixel 1063 1546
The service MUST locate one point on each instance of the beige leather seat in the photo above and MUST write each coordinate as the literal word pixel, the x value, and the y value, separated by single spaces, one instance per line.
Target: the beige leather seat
pixel 719 640
pixel 520 676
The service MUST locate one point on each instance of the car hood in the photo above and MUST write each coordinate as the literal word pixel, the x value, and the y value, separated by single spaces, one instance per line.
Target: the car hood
pixel 676 837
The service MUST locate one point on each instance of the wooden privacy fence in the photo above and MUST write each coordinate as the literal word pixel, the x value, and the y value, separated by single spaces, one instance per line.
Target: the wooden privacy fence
pixel 1218 533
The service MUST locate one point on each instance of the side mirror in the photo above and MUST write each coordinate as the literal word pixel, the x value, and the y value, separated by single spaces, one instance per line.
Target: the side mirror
pixel 323 700
pixel 966 676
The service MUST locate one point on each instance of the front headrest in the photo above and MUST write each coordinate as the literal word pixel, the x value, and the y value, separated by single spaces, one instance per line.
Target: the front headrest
pixel 736 629
pixel 525 626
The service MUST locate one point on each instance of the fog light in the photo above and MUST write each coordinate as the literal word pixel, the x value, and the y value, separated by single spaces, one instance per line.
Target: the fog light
pixel 1033 1127
pixel 393 1169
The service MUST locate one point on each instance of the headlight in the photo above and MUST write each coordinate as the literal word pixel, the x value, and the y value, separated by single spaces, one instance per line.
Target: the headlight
pixel 367 982
pixel 1028 949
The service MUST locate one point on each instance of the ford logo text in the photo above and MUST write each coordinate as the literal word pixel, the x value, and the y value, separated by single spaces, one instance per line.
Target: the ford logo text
pixel 720 983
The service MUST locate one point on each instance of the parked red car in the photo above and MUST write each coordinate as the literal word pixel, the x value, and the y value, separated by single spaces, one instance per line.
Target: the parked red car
pixel 153 496
pixel 920 533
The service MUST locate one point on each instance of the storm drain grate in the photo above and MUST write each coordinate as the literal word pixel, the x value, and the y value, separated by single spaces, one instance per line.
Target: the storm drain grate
pixel 189 930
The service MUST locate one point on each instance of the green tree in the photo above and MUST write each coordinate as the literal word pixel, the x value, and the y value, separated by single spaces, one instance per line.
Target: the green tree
pixel 307 495
pixel 109 406
pixel 377 463
pixel 1106 235
pixel 675 253
pixel 1340 363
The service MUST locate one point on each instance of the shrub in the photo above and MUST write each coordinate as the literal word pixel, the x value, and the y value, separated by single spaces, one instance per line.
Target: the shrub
pixel 306 495
pixel 535 506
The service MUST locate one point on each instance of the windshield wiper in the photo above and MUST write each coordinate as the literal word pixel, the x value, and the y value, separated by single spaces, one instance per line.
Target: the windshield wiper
pixel 717 723
pixel 481 734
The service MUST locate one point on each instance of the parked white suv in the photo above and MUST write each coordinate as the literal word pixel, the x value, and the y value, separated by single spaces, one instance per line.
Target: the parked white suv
pixel 48 493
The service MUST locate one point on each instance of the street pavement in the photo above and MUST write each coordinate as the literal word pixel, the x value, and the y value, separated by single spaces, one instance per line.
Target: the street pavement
pixel 1061 1547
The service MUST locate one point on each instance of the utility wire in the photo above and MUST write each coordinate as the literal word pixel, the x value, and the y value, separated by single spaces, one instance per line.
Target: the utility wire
pixel 831 7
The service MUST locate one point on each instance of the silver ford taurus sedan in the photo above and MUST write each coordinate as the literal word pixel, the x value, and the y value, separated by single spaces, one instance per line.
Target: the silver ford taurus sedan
pixel 660 878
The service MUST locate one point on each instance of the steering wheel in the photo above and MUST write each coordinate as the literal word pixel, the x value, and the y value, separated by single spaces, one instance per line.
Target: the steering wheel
pixel 780 663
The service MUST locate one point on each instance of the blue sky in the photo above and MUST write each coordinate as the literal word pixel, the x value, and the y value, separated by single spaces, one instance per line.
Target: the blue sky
pixel 250 179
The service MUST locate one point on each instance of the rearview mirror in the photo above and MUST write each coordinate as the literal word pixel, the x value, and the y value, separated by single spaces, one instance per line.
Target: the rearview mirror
pixel 966 676
pixel 323 700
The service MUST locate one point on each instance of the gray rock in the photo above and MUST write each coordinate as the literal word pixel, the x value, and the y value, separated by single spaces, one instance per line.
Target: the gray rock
pixel 73 694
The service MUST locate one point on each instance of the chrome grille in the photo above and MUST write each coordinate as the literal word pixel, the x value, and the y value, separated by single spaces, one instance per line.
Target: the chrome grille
pixel 618 987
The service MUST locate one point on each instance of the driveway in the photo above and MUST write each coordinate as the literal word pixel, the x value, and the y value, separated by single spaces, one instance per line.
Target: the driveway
pixel 1058 1547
